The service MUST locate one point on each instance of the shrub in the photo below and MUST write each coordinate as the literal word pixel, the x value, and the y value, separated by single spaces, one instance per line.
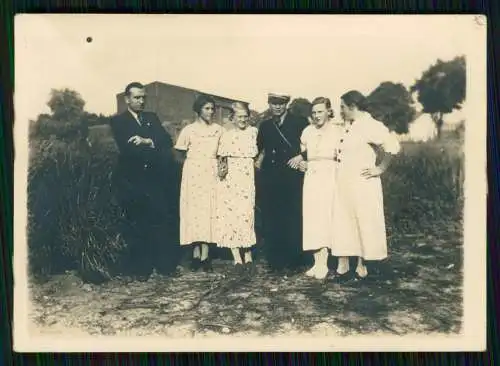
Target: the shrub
pixel 424 186
pixel 73 218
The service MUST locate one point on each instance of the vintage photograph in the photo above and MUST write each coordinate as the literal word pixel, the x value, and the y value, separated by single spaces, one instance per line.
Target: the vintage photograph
pixel 243 182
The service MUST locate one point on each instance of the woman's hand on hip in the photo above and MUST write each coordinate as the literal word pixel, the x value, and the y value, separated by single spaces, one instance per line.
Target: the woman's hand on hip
pixel 372 172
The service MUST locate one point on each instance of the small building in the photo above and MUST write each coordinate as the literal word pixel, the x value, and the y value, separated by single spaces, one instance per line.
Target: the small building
pixel 174 103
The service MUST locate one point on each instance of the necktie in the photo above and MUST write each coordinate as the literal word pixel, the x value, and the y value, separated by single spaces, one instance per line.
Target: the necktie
pixel 140 118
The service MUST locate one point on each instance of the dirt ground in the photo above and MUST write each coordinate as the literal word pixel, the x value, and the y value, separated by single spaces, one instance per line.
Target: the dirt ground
pixel 421 294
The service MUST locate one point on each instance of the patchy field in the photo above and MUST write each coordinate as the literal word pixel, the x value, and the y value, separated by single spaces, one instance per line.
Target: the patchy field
pixel 421 291
pixel 423 294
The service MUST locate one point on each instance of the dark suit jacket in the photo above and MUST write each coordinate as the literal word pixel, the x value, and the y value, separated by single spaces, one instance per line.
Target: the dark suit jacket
pixel 277 152
pixel 142 168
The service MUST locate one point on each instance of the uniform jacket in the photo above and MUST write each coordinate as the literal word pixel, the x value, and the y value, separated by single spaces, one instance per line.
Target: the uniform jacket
pixel 279 149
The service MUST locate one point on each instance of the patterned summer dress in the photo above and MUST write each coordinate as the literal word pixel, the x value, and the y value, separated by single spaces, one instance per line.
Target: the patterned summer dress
pixel 236 192
pixel 199 182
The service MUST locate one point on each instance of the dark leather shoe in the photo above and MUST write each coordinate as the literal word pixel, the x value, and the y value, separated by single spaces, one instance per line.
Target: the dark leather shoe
pixel 195 264
pixel 168 272
pixel 206 265
pixel 250 268
pixel 344 278
pixel 142 278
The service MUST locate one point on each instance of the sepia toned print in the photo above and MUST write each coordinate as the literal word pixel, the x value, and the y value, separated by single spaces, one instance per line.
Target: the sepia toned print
pixel 236 191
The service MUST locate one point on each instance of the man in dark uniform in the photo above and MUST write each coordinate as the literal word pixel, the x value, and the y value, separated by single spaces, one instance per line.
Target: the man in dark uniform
pixel 281 186
pixel 146 188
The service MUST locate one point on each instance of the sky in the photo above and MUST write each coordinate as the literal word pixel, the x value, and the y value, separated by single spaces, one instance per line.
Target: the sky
pixel 236 56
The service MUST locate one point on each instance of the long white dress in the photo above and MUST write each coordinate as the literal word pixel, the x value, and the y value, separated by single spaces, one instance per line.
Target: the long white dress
pixel 236 192
pixel 359 225
pixel 319 181
pixel 198 197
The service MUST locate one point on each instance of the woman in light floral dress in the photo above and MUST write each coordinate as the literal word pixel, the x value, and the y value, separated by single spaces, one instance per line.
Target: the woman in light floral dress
pixel 198 142
pixel 236 189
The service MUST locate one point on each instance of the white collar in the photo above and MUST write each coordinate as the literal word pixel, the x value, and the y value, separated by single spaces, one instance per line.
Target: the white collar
pixel 282 118
pixel 135 115
pixel 203 123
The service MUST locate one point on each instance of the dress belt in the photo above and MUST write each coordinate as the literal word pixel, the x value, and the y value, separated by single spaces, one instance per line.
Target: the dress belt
pixel 201 158
pixel 321 159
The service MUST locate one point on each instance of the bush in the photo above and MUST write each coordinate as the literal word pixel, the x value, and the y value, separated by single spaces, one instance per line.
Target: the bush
pixel 424 186
pixel 73 219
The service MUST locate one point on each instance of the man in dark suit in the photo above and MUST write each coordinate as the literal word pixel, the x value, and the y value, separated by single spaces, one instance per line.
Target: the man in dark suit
pixel 146 186
pixel 281 185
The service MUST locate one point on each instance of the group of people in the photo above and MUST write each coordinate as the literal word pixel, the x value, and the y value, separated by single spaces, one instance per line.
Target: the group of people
pixel 320 187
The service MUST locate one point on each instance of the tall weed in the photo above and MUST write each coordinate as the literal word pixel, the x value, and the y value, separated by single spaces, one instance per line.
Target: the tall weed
pixel 73 218
pixel 423 188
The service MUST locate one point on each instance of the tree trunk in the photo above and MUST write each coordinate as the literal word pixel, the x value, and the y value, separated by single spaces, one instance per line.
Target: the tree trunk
pixel 439 124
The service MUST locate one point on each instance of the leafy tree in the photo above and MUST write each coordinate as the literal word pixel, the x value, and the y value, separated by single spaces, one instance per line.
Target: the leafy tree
pixel 68 120
pixel 253 113
pixel 300 107
pixel 441 88
pixel 65 104
pixel 391 104
pixel 257 118
pixel 96 119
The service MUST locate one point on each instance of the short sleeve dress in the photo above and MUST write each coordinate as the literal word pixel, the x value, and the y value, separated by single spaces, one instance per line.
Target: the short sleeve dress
pixel 359 226
pixel 319 180
pixel 236 192
pixel 198 198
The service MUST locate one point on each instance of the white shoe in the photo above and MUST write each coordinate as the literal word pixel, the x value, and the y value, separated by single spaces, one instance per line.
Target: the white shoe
pixel 342 270
pixel 311 272
pixel 321 273
pixel 362 271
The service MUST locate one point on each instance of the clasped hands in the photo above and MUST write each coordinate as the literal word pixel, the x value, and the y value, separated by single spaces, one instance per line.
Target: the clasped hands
pixel 222 168
pixel 138 140
pixel 298 163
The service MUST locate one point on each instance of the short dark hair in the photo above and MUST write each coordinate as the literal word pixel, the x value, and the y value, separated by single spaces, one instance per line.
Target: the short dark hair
pixel 354 98
pixel 134 84
pixel 326 102
pixel 201 101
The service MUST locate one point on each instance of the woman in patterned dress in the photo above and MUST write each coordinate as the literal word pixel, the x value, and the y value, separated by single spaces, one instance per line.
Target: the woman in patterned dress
pixel 318 143
pixel 358 227
pixel 199 142
pixel 236 191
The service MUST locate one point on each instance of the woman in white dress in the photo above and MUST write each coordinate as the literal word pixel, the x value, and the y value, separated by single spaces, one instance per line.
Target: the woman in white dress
pixel 199 142
pixel 318 144
pixel 236 189
pixel 359 227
